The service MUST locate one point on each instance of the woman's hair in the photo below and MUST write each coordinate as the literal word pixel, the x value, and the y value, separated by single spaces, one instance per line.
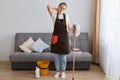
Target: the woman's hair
pixel 63 4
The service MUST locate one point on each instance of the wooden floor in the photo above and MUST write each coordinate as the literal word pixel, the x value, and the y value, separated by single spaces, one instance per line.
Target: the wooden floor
pixel 95 73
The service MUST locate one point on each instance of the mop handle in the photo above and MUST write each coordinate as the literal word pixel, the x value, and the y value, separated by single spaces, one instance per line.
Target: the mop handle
pixel 74 56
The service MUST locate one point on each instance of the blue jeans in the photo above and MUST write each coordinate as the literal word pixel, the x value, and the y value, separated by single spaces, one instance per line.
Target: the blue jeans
pixel 60 62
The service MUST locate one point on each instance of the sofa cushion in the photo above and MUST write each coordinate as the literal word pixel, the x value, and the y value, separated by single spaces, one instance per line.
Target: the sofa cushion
pixel 80 57
pixel 81 42
pixel 33 57
pixel 26 45
pixel 46 50
pixel 39 45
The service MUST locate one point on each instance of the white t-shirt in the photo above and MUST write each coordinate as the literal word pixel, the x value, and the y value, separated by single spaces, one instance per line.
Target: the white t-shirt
pixel 54 15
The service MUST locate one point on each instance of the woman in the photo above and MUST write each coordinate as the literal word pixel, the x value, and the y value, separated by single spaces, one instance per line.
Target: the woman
pixel 59 43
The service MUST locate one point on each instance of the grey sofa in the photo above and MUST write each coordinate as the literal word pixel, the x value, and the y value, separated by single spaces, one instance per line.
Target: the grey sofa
pixel 21 60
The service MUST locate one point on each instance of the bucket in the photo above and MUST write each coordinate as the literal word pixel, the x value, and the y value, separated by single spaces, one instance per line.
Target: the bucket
pixel 44 67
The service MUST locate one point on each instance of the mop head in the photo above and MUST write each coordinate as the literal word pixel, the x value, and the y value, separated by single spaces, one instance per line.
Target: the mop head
pixel 76 26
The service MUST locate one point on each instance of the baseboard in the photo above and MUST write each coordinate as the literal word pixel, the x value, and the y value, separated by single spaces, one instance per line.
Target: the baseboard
pixel 4 59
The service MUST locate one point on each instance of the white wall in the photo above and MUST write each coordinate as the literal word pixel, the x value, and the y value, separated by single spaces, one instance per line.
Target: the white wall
pixel 32 16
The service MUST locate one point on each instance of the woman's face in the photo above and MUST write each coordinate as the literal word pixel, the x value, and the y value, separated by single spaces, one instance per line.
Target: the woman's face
pixel 61 8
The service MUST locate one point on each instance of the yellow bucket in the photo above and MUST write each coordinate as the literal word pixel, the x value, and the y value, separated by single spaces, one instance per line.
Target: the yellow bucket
pixel 44 72
pixel 44 67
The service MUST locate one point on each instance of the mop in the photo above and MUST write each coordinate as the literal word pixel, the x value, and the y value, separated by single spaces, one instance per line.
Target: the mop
pixel 76 28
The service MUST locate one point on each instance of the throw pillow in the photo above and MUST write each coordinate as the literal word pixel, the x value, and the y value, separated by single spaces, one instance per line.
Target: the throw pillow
pixel 39 45
pixel 26 45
